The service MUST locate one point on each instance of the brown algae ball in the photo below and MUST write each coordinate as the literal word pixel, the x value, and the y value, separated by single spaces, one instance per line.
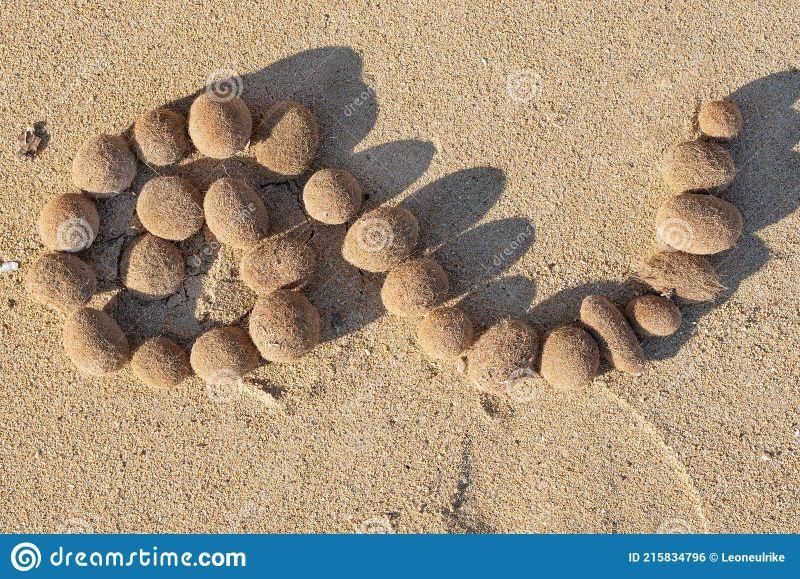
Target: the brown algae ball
pixel 445 332
pixel 282 263
pixel 698 166
pixel 698 223
pixel 415 286
pixel 381 239
pixel 332 196
pixel 687 277
pixel 503 353
pixel 235 213
pixel 618 343
pixel 159 137
pixel 222 356
pixel 104 166
pixel 61 281
pixel 161 363
pixel 570 358
pixel 653 315
pixel 69 222
pixel 218 127
pixel 94 342
pixel 720 120
pixel 284 326
pixel 286 140
pixel 171 207
pixel 152 267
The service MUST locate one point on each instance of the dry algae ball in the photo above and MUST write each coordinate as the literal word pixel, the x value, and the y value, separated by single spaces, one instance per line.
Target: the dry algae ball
pixel 282 263
pixel 721 120
pixel 171 207
pixel 94 342
pixel 332 196
pixel 69 222
pixel 698 223
pixel 161 363
pixel 284 326
pixel 697 166
pixel 415 286
pixel 503 353
pixel 222 356
pixel 381 239
pixel 286 140
pixel 687 277
pixel 152 267
pixel 159 137
pixel 104 166
pixel 61 281
pixel 235 213
pixel 445 332
pixel 218 128
pixel 653 315
pixel 570 358
pixel 618 343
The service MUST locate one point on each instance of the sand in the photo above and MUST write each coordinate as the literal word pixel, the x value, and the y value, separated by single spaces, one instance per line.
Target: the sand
pixel 524 139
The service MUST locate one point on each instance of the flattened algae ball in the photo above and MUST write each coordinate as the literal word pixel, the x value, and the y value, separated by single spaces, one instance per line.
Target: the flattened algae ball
pixel 570 358
pixel 170 207
pixel 618 343
pixel 159 137
pixel 61 281
pixel 222 356
pixel 235 213
pixel 160 363
pixel 219 128
pixel 152 267
pixel 687 277
pixel 381 239
pixel 94 342
pixel 104 166
pixel 720 120
pixel 286 140
pixel 698 223
pixel 698 166
pixel 69 222
pixel 653 315
pixel 332 196
pixel 284 326
pixel 445 332
pixel 280 263
pixel 415 286
pixel 502 353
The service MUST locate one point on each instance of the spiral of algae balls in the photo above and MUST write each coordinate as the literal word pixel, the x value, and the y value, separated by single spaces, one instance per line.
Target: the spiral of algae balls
pixel 69 222
pixel 504 352
pixel 152 267
pixel 235 213
pixel 282 263
pixel 570 358
pixel 445 332
pixel 159 137
pixel 222 356
pixel 286 140
pixel 414 287
pixel 381 239
pixel 653 315
pixel 104 166
pixel 219 128
pixel 720 120
pixel 61 281
pixel 618 343
pixel 698 223
pixel 94 342
pixel 698 166
pixel 284 326
pixel 171 207
pixel 161 363
pixel 688 278
pixel 332 196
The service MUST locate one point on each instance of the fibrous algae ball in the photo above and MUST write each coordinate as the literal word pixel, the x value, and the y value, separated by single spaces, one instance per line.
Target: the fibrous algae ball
pixel 684 276
pixel 332 196
pixel 286 140
pixel 152 267
pixel 61 281
pixel 570 357
pixel 698 223
pixel 69 222
pixel 414 287
pixel 223 355
pixel 721 120
pixel 653 315
pixel 161 363
pixel 284 326
pixel 159 137
pixel 171 207
pixel 279 263
pixel 503 353
pixel 235 213
pixel 381 239
pixel 219 128
pixel 94 342
pixel 698 166
pixel 104 166
pixel 445 332
pixel 618 343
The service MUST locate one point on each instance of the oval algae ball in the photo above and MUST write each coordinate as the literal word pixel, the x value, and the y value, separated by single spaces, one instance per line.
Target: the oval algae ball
pixel 223 355
pixel 61 281
pixel 159 137
pixel 282 263
pixel 570 357
pixel 235 213
pixel 689 278
pixel 332 196
pixel 698 165
pixel 286 140
pixel 445 332
pixel 415 286
pixel 219 128
pixel 152 267
pixel 69 222
pixel 698 223
pixel 104 166
pixel 618 344
pixel 160 363
pixel 94 342
pixel 504 352
pixel 170 207
pixel 381 239
pixel 284 326
pixel 721 119
pixel 653 315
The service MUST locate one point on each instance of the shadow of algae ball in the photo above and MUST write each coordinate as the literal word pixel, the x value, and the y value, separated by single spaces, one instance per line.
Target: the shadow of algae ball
pixel 278 263
pixel 699 165
pixel 94 342
pixel 652 315
pixel 720 120
pixel 161 363
pixel 698 223
pixel 171 207
pixel 286 140
pixel 332 196
pixel 219 128
pixel 61 281
pixel 381 239
pixel 223 355
pixel 570 358
pixel 152 267
pixel 414 287
pixel 284 326
pixel 618 343
pixel 104 166
pixel 686 277
pixel 235 214
pixel 503 353
pixel 69 222
pixel 159 137
pixel 445 332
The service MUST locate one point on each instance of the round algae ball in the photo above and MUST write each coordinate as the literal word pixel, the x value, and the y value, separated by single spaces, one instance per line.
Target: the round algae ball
pixel 618 343
pixel 161 363
pixel 282 263
pixel 689 278
pixel 223 355
pixel 61 281
pixel 104 166
pixel 219 128
pixel 152 267
pixel 159 137
pixel 445 332
pixel 171 207
pixel 720 120
pixel 698 223
pixel 381 239
pixel 698 166
pixel 69 222
pixel 653 315
pixel 504 352
pixel 332 196
pixel 287 140
pixel 94 342
pixel 415 286
pixel 284 326
pixel 235 213
pixel 570 358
